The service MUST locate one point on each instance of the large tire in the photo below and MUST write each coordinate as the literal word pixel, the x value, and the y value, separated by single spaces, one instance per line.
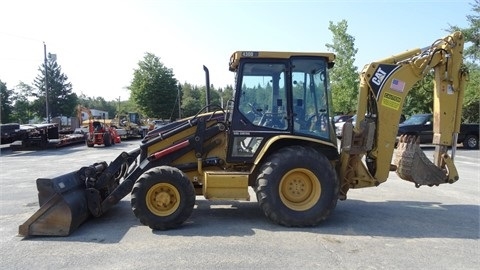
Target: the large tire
pixel 89 143
pixel 470 142
pixel 297 187
pixel 107 139
pixel 163 198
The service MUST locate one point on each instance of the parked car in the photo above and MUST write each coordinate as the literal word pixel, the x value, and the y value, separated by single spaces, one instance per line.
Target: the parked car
pixel 339 124
pixel 9 132
pixel 160 123
pixel 341 118
pixel 421 125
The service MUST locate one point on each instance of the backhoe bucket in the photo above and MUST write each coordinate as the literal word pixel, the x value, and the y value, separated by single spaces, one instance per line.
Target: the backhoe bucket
pixel 414 166
pixel 63 207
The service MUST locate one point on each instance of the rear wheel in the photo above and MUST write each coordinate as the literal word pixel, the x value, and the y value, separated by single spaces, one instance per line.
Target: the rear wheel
pixel 163 198
pixel 297 187
pixel 470 142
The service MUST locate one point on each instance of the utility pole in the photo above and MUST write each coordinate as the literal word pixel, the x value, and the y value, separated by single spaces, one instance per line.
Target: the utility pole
pixel 179 97
pixel 118 113
pixel 46 81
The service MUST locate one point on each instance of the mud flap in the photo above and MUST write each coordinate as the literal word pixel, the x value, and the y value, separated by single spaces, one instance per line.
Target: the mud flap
pixel 63 207
pixel 414 166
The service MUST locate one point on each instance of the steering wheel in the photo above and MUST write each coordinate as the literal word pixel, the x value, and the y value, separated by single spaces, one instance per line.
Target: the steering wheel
pixel 255 110
pixel 272 120
pixel 320 117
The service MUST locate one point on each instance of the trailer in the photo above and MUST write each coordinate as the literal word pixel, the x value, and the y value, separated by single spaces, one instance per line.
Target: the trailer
pixel 43 136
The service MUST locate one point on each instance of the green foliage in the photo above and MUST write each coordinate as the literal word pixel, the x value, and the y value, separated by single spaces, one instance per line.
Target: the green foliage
pixel 154 88
pixel 471 104
pixel 420 97
pixel 5 103
pixel 344 76
pixel 194 98
pixel 191 100
pixel 23 107
pixel 126 106
pixel 226 94
pixel 471 33
pixel 214 97
pixel 99 103
pixel 61 98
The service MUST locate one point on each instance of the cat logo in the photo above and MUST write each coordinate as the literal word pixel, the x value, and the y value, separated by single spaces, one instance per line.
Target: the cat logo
pixel 379 76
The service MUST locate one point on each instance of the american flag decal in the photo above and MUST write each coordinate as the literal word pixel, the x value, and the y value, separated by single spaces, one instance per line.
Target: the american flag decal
pixel 397 85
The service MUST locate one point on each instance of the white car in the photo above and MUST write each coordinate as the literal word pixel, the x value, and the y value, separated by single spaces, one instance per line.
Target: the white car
pixel 339 125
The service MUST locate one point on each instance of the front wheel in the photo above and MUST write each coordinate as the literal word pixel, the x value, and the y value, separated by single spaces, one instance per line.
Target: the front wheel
pixel 163 198
pixel 297 186
pixel 107 139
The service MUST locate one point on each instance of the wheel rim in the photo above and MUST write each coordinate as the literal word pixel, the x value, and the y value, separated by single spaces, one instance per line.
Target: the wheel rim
pixel 163 199
pixel 299 189
pixel 472 142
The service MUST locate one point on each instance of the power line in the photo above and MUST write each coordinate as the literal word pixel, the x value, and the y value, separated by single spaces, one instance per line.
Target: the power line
pixel 21 37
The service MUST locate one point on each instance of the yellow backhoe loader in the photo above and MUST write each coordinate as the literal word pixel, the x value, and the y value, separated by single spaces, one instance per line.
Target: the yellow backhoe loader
pixel 275 136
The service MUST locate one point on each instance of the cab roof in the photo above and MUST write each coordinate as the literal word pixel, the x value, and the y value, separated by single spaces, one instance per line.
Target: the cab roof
pixel 236 56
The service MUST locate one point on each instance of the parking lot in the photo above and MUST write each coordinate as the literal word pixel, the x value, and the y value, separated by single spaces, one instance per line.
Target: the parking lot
pixel 393 226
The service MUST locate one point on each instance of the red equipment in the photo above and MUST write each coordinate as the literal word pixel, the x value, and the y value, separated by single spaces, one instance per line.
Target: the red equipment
pixel 99 133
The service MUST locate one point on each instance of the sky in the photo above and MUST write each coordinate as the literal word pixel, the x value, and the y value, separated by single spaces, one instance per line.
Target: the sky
pixel 98 43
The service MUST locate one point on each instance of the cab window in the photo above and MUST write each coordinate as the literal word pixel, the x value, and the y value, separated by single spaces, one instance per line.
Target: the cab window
pixel 263 99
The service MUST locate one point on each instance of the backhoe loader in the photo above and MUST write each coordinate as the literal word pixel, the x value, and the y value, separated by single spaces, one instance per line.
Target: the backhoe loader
pixel 99 133
pixel 276 137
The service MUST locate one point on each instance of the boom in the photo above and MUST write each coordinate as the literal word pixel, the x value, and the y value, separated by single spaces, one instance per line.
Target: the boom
pixel 384 85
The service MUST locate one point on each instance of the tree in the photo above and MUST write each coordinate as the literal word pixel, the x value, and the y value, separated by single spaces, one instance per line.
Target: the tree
pixel 23 108
pixel 154 88
pixel 344 76
pixel 99 103
pixel 5 103
pixel 420 97
pixel 191 100
pixel 471 33
pixel 471 104
pixel 194 97
pixel 61 99
pixel 226 94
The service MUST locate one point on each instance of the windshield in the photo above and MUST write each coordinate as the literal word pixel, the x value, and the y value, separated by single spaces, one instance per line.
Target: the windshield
pixel 416 120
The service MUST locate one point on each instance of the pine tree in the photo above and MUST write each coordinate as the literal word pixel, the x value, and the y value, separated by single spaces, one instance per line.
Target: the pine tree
pixel 61 98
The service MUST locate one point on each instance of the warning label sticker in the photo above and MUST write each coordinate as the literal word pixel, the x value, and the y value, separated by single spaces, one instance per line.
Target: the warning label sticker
pixel 391 101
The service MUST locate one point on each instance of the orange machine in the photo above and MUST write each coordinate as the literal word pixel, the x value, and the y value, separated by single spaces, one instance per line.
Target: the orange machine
pixel 99 133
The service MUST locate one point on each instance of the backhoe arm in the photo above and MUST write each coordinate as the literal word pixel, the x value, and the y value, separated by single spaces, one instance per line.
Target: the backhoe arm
pixel 384 86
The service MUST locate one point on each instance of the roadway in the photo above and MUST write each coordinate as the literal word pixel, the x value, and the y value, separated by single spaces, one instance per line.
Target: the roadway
pixel 392 226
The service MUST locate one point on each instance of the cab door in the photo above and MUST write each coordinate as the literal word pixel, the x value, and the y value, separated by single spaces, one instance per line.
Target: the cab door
pixel 261 107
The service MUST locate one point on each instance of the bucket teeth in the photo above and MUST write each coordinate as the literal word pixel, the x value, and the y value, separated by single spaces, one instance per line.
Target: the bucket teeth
pixel 414 166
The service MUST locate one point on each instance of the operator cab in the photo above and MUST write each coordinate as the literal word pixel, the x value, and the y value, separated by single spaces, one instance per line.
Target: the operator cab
pixel 278 93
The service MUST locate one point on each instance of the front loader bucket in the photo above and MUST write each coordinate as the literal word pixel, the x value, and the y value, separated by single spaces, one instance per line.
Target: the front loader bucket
pixel 414 166
pixel 63 207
